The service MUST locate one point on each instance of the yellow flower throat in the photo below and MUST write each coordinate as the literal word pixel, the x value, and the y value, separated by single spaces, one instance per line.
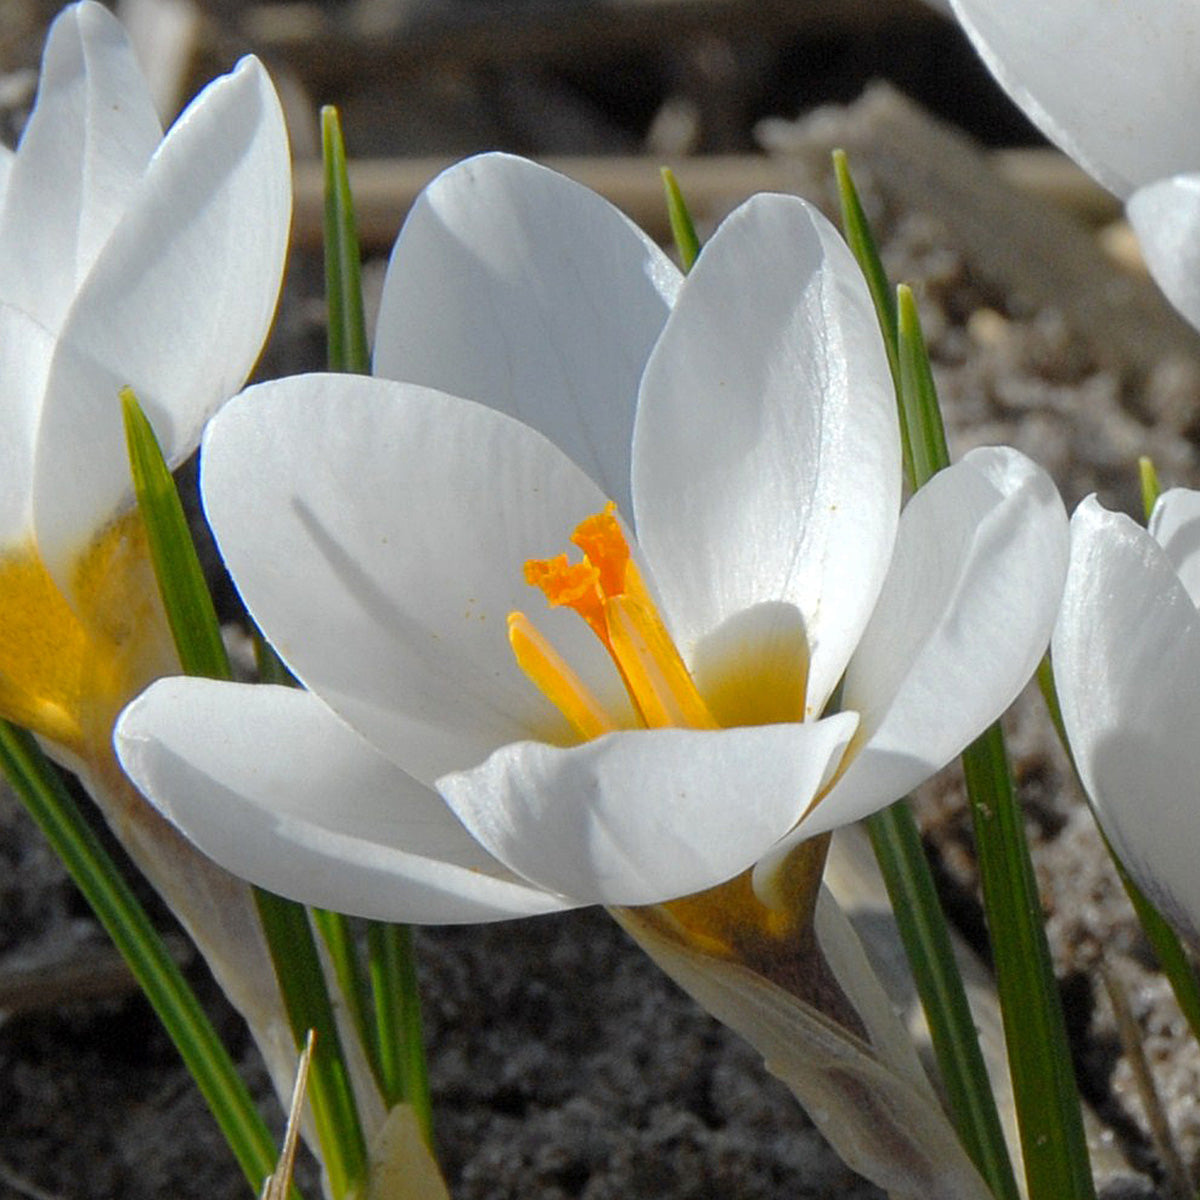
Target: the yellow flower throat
pixel 66 671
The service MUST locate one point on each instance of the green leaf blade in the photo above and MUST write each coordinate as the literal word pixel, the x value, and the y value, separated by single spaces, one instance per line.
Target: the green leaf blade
pixel 1047 1101
pixel 184 591
pixel 683 228
pixel 197 634
pixel 1151 488
pixel 347 336
pixel 306 998
pixel 37 783
pixel 924 932
pixel 894 835
pixel 1048 1108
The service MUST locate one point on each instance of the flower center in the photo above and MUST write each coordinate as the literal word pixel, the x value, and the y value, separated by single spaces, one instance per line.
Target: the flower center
pixel 607 590
pixel 65 672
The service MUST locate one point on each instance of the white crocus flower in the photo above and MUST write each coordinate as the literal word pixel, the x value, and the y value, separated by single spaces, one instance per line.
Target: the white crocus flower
pixel 1126 664
pixel 1115 86
pixel 126 258
pixel 462 753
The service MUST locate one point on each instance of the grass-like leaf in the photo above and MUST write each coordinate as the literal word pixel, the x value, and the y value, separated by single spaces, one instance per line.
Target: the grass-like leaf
pixel 341 947
pixel 181 583
pixel 683 228
pixel 37 782
pixel 294 952
pixel 347 338
pixel 197 633
pixel 1039 1058
pixel 393 1039
pixel 920 412
pixel 401 1038
pixel 1044 1090
pixel 1151 488
pixel 861 240
pixel 894 834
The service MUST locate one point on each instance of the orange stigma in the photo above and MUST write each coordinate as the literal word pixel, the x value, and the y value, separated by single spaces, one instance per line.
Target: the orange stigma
pixel 606 589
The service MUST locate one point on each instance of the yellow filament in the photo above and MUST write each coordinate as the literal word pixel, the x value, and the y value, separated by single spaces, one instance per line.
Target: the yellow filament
pixel 66 672
pixel 558 683
pixel 657 679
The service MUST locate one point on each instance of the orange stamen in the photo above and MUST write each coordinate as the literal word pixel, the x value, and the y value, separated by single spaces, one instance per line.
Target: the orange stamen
pixel 607 591
pixel 570 585
pixel 557 682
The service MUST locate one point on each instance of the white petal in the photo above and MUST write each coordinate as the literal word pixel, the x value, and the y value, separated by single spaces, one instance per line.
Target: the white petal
pixel 177 306
pixel 1175 526
pixel 270 784
pixel 1166 217
pixel 1126 660
pixel 964 618
pixel 767 454
pixel 86 145
pixel 519 288
pixel 1114 85
pixel 637 818
pixel 25 351
pixel 378 533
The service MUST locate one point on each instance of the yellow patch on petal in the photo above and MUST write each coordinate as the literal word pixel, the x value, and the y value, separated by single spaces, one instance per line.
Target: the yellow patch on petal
pixel 66 673
pixel 731 920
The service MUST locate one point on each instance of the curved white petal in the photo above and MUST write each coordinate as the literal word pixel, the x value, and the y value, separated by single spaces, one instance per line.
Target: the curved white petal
pixel 378 533
pixel 270 784
pixel 177 306
pixel 1175 525
pixel 1126 659
pixel 521 289
pixel 25 351
pixel 638 818
pixel 1114 84
pixel 1166 217
pixel 87 142
pixel 766 455
pixel 964 618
